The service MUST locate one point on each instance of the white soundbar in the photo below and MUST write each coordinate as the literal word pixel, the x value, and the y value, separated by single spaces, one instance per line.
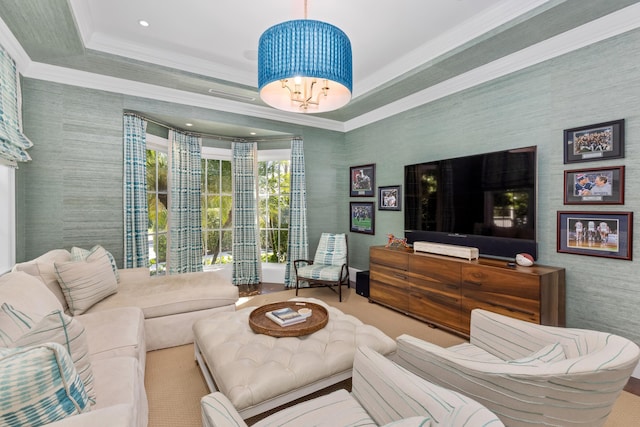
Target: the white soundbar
pixel 449 250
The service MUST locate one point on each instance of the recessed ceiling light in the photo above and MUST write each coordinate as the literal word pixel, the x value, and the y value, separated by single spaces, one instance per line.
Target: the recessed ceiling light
pixel 143 23
pixel 252 133
pixel 188 124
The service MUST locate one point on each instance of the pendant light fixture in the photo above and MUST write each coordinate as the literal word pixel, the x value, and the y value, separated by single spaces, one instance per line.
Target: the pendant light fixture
pixel 304 66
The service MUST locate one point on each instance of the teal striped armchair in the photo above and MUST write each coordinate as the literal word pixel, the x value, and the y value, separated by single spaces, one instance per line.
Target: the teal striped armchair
pixel 329 267
pixel 529 374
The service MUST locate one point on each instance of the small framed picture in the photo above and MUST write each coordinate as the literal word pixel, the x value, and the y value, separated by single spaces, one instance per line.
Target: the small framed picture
pixel 390 198
pixel 594 142
pixel 362 218
pixel 363 180
pixel 599 186
pixel 605 234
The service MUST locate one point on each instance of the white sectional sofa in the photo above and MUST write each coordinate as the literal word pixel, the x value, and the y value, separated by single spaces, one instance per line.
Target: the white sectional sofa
pixel 106 319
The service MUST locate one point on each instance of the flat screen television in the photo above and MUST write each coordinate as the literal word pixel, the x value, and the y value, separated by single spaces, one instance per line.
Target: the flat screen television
pixel 486 201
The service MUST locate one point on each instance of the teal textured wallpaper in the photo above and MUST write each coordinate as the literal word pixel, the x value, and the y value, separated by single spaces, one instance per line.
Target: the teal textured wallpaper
pixel 71 194
pixel 532 107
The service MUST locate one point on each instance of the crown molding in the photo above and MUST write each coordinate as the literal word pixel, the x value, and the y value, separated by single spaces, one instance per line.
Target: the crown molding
pixel 595 31
pixel 88 80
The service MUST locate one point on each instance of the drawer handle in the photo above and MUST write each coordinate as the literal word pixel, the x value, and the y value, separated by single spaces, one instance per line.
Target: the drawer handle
pixel 453 286
pixel 468 282
pixel 400 276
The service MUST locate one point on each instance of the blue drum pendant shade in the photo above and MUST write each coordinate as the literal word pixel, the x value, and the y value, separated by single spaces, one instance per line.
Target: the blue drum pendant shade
pixel 304 66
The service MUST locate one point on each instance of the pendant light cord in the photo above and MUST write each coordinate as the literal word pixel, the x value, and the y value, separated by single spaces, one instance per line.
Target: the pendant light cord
pixel 305 9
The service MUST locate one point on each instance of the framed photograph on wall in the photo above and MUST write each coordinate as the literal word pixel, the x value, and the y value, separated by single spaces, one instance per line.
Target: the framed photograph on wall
pixel 601 234
pixel 390 198
pixel 599 186
pixel 594 142
pixel 362 217
pixel 362 180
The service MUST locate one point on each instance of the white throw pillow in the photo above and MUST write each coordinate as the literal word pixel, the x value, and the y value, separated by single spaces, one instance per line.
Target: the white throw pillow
pixel 42 268
pixel 39 386
pixel 550 353
pixel 28 293
pixel 87 282
pixel 65 330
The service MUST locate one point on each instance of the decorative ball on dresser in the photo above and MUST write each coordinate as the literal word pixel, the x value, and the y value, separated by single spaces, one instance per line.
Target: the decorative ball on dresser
pixel 524 260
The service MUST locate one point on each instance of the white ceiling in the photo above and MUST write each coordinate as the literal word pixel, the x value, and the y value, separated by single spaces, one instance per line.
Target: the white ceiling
pixel 406 53
pixel 220 38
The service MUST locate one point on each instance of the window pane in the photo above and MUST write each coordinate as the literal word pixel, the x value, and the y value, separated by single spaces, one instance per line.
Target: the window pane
pixel 162 171
pixel 163 213
pixel 213 176
pixel 225 211
pixel 282 248
pixel 284 211
pixel 226 176
pixel 212 247
pixel 203 175
pixel 151 203
pixel 151 170
pixel 161 253
pixel 212 212
pixel 274 211
pixel 226 246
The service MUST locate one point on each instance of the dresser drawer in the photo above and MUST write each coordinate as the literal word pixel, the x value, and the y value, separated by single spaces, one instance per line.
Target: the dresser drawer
pixel 391 276
pixel 500 281
pixel 398 259
pixel 392 296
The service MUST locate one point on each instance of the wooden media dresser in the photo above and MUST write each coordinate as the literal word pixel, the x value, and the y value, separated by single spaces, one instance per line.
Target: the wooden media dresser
pixel 442 290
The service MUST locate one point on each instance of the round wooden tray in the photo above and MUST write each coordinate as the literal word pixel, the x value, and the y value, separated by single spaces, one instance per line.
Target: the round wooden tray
pixel 261 324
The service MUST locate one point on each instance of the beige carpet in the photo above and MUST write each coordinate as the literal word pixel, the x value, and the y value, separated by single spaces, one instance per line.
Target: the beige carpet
pixel 175 385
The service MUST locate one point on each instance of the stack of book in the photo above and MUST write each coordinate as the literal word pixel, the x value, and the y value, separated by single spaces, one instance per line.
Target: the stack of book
pixel 286 316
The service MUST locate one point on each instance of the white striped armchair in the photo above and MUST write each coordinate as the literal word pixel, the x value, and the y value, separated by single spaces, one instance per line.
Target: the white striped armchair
pixel 329 267
pixel 529 374
pixel 383 393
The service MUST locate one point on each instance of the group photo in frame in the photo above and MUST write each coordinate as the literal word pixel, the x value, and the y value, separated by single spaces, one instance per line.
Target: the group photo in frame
pixel 362 217
pixel 594 142
pixel 390 198
pixel 596 186
pixel 605 234
pixel 362 180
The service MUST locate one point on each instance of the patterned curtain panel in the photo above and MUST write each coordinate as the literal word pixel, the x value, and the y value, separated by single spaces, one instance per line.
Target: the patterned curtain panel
pixel 298 245
pixel 246 247
pixel 136 214
pixel 185 225
pixel 13 143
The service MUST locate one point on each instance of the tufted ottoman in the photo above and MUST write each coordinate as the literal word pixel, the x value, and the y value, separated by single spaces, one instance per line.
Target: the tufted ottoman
pixel 259 372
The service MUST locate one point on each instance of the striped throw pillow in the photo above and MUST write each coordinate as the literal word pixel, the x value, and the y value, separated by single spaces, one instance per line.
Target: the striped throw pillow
pixel 39 386
pixel 86 282
pixel 79 254
pixel 64 330
pixel 13 324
